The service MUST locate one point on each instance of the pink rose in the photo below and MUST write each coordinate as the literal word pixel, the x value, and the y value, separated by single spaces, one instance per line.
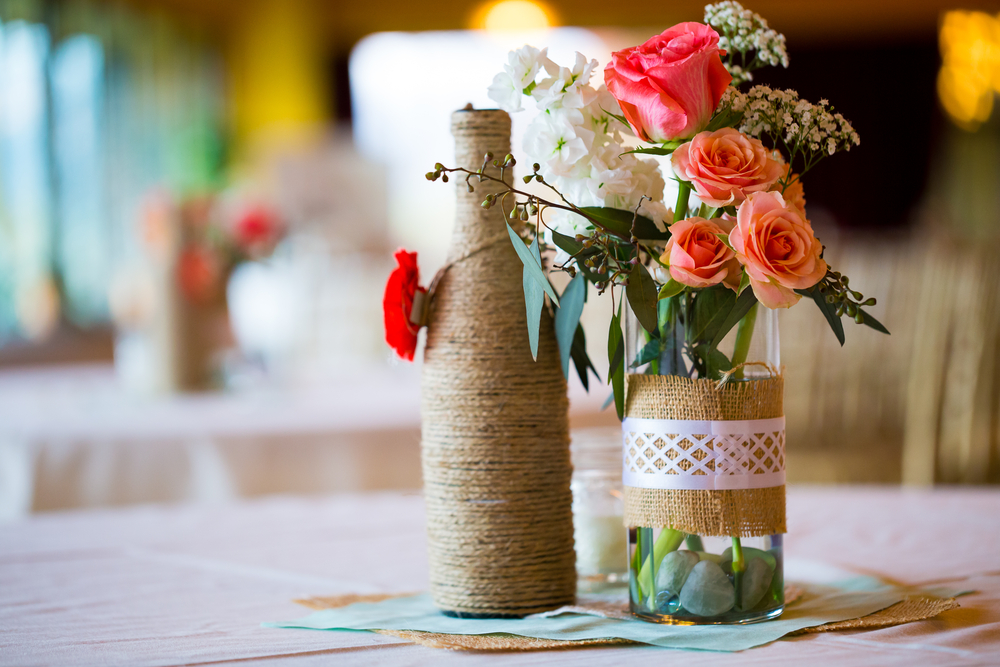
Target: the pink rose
pixel 669 87
pixel 778 248
pixel 725 166
pixel 697 257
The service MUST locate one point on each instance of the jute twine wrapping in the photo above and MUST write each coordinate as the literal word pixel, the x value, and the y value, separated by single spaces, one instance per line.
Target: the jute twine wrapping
pixel 914 608
pixel 495 447
pixel 735 513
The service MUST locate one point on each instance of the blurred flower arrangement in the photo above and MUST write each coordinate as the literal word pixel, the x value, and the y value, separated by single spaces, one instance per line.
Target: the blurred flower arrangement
pixel 217 234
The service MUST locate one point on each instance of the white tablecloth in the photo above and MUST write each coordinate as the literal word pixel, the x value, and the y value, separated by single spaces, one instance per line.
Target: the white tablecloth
pixel 150 586
pixel 72 437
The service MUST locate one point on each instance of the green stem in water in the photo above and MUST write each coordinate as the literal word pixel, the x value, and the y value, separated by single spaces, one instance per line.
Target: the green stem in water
pixel 744 333
pixel 739 567
pixel 681 208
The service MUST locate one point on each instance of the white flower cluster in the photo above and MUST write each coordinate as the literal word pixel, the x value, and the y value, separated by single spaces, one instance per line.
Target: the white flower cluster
pixel 576 141
pixel 743 31
pixel 809 130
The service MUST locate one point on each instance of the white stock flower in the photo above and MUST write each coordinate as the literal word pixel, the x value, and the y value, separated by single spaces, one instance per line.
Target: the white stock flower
pixel 566 88
pixel 518 77
pixel 554 141
pixel 505 93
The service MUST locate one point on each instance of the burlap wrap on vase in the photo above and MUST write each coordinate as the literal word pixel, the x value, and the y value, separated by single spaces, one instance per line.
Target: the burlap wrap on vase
pixel 749 512
pixel 495 444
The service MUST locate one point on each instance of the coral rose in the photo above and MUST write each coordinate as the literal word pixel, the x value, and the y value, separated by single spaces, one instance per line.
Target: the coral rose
pixel 697 257
pixel 669 87
pixel 725 166
pixel 403 283
pixel 778 248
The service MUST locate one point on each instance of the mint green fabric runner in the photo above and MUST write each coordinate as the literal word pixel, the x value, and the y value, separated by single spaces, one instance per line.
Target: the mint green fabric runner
pixel 820 604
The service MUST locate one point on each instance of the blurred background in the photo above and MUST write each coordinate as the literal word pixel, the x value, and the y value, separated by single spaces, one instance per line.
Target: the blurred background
pixel 199 200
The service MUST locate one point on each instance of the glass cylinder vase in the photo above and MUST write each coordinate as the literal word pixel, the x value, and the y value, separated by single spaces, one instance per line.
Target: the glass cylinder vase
pixel 703 463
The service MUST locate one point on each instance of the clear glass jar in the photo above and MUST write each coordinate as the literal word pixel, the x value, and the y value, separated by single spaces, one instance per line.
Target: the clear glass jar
pixel 601 545
pixel 681 578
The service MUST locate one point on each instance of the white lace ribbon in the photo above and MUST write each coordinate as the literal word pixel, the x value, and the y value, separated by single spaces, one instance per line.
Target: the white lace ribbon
pixel 703 455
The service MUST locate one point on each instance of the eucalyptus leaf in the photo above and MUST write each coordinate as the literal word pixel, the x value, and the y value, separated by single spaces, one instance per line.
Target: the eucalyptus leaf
pixel 670 289
pixel 568 318
pixel 828 309
pixel 873 323
pixel 532 263
pixel 744 302
pixel 641 293
pixel 616 353
pixel 619 222
pixel 534 300
pixel 581 359
pixel 567 243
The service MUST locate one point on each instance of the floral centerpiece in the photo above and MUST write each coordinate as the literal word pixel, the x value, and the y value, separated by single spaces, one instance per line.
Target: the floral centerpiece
pixel 695 374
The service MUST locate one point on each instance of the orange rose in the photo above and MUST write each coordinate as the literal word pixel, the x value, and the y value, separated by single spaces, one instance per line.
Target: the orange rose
pixel 697 257
pixel 777 246
pixel 725 166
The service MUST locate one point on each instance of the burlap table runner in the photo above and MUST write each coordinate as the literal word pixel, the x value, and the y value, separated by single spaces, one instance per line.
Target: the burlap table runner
pixel 913 608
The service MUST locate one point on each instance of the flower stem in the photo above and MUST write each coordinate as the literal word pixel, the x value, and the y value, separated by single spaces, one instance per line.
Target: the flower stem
pixel 743 335
pixel 681 208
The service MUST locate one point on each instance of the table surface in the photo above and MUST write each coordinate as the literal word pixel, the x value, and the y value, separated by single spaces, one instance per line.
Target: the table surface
pixel 173 585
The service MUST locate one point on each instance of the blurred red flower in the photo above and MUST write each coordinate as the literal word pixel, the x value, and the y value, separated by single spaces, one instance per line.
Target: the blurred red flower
pixel 403 283
pixel 257 229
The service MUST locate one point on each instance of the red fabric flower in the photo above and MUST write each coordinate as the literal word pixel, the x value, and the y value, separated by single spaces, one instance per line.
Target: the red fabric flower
pixel 400 333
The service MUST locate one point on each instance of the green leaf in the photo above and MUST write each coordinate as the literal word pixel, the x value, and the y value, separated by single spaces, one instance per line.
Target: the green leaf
pixel 873 323
pixel 621 119
pixel 616 353
pixel 725 118
pixel 740 308
pixel 619 222
pixel 641 292
pixel 672 334
pixel 715 362
pixel 670 289
pixel 651 151
pixel 744 282
pixel 712 306
pixel 649 352
pixel 534 300
pixel 568 318
pixel 581 359
pixel 532 263
pixel 725 239
pixel 828 309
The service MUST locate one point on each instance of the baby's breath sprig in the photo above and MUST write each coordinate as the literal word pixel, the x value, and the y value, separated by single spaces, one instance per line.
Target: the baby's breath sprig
pixel 742 32
pixel 807 132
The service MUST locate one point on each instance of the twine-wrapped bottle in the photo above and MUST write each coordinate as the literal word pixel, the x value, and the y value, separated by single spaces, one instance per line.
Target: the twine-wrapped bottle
pixel 495 433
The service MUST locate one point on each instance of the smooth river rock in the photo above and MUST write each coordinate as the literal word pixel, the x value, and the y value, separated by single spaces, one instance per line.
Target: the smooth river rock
pixel 707 591
pixel 756 582
pixel 674 571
